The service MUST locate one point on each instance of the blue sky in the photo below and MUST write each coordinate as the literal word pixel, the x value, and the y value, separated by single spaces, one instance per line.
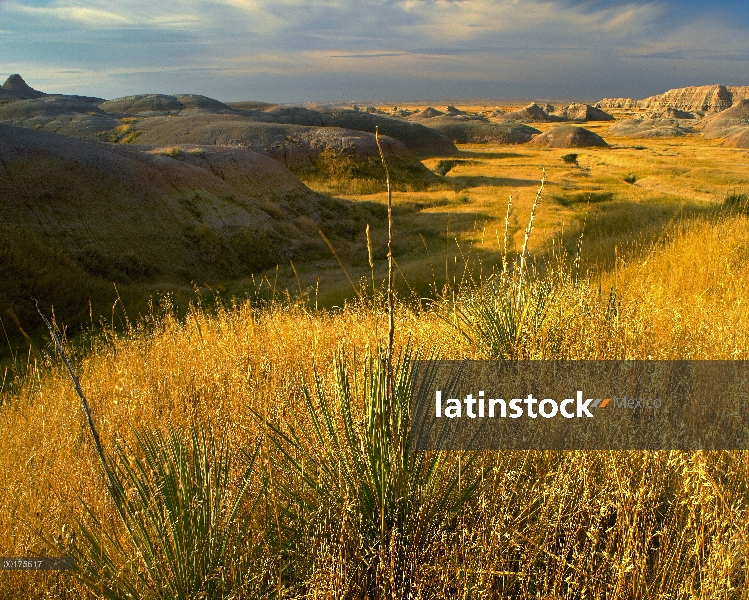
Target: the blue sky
pixel 374 50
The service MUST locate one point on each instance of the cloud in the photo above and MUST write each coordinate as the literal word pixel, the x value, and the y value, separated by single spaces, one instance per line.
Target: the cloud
pixel 85 15
pixel 497 44
pixel 702 40
pixel 96 14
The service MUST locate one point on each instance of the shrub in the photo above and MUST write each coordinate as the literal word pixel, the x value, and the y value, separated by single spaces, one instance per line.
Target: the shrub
pixel 582 197
pixel 502 317
pixel 445 166
pixel 570 158
pixel 737 202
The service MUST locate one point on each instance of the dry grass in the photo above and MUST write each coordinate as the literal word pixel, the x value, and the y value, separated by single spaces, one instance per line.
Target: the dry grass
pixel 658 279
pixel 586 524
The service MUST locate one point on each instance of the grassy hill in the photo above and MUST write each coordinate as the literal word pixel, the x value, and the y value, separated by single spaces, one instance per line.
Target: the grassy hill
pixel 80 215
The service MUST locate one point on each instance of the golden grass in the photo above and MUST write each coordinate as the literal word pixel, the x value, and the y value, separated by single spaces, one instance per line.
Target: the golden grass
pixel 614 525
pixel 548 524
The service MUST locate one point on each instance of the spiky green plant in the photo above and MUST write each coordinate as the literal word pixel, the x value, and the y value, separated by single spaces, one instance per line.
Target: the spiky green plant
pixel 353 473
pixel 177 535
pixel 504 315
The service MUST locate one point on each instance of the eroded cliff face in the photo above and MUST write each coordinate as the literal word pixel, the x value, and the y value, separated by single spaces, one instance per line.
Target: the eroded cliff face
pixel 696 99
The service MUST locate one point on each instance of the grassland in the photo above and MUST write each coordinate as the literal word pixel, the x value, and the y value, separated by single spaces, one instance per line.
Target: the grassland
pixel 662 274
pixel 462 220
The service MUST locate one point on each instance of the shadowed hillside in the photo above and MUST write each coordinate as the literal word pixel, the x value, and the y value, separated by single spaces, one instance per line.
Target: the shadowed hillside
pixel 647 128
pixel 160 104
pixel 420 140
pixel 65 115
pixel 472 131
pixel 568 136
pixel 15 88
pixel 728 122
pixel 79 215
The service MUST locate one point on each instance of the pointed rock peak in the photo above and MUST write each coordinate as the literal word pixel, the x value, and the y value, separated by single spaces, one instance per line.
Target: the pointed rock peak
pixel 15 82
pixel 19 88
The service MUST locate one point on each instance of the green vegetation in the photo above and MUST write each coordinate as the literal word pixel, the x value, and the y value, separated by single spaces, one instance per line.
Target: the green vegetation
pixel 444 166
pixel 361 486
pixel 335 172
pixel 183 531
pixel 737 201
pixel 590 197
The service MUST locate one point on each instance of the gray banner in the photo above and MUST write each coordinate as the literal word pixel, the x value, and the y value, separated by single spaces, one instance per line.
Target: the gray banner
pixel 580 405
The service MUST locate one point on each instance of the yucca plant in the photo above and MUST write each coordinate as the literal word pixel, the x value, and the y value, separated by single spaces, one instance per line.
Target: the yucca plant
pixel 354 468
pixel 179 526
pixel 503 316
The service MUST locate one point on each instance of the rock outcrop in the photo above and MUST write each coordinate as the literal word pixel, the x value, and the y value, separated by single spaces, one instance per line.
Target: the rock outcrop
pixel 568 136
pixel 428 113
pixel 650 128
pixel 310 152
pixel 160 105
pixel 96 201
pixel 581 113
pixel 740 139
pixel 533 113
pixel 420 140
pixel 15 87
pixel 727 123
pixel 468 131
pixel 66 115
pixel 672 113
pixel 698 99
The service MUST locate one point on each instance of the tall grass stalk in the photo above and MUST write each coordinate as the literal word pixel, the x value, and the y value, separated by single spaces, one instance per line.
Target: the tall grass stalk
pixel 507 226
pixel 79 391
pixel 510 309
pixel 529 228
pixel 177 517
pixel 391 290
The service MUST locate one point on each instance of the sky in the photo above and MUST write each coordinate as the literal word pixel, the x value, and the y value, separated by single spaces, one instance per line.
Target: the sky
pixel 374 50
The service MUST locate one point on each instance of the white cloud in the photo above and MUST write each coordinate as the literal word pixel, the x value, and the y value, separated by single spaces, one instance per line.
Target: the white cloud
pixel 436 20
pixel 700 40
pixel 98 14
pixel 81 14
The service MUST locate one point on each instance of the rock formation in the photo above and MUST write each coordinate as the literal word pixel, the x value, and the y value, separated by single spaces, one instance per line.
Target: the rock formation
pixel 726 123
pixel 568 136
pixel 581 113
pixel 740 139
pixel 468 131
pixel 650 128
pixel 17 89
pixel 700 99
pixel 533 113
pixel 428 113
pixel 160 104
